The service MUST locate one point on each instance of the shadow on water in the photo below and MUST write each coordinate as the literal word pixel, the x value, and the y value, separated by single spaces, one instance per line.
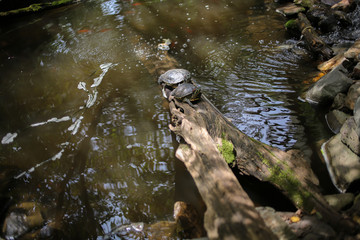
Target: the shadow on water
pixel 84 129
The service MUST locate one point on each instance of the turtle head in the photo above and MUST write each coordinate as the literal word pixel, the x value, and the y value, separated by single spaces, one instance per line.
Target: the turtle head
pixel 196 94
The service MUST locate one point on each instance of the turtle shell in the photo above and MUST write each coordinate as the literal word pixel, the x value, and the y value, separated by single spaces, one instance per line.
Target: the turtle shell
pixel 186 90
pixel 174 76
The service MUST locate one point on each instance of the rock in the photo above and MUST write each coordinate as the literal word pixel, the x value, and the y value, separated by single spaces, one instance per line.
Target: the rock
pixel 349 136
pixel 189 220
pixel 309 227
pixel 277 225
pixel 356 71
pixel 343 165
pixel 335 119
pixel 339 201
pixel 290 9
pixel 339 101
pixel 22 218
pixel 352 95
pixel 325 90
pixel 357 114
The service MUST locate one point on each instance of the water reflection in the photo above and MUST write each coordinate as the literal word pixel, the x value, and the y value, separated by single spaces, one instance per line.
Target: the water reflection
pixel 84 132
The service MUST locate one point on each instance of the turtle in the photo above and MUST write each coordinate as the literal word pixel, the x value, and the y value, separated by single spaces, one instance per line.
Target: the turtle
pixel 172 78
pixel 186 92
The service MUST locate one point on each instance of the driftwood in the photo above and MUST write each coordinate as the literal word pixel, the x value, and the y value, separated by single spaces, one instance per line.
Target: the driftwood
pixel 230 212
pixel 312 39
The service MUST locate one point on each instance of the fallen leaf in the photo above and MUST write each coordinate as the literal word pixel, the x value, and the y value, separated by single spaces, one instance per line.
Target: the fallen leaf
pixel 294 219
pixel 137 4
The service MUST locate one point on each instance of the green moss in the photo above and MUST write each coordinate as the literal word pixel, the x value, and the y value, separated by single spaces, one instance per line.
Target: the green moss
pixel 291 24
pixel 227 151
pixel 286 179
pixel 35 7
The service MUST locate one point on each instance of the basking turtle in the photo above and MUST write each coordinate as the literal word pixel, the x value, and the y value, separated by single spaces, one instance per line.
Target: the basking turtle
pixel 172 78
pixel 186 92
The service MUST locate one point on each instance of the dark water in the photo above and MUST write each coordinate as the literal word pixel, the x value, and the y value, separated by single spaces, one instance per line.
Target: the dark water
pixel 83 124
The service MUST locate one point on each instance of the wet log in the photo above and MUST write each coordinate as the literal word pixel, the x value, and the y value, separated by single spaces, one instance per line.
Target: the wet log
pixel 312 39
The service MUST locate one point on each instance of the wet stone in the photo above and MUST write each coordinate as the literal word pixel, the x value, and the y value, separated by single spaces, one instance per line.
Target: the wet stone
pixel 339 101
pixel 349 136
pixel 352 95
pixel 325 90
pixel 335 119
pixel 342 163
pixel 356 71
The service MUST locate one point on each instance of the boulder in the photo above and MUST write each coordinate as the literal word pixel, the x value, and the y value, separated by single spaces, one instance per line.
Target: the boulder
pixel 342 163
pixel 339 201
pixel 352 95
pixel 339 101
pixel 349 135
pixel 325 90
pixel 335 120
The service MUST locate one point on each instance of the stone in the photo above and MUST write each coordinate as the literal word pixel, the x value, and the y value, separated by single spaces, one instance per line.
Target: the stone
pixel 290 9
pixel 339 201
pixel 335 119
pixel 188 219
pixel 343 165
pixel 357 114
pixel 356 71
pixel 339 101
pixel 325 90
pixel 277 225
pixel 349 135
pixel 309 227
pixel 22 218
pixel 352 95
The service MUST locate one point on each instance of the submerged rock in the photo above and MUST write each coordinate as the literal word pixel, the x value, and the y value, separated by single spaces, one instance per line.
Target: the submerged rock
pixel 329 86
pixel 22 218
pixel 342 163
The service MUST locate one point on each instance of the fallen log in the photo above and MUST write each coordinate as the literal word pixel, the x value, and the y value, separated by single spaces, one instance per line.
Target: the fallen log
pixel 312 39
pixel 230 212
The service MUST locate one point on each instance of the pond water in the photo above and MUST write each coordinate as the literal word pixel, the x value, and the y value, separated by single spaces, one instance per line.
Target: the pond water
pixel 84 126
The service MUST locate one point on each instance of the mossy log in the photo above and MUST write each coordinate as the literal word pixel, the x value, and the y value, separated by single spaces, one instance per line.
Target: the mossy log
pixel 230 212
pixel 36 7
pixel 312 39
